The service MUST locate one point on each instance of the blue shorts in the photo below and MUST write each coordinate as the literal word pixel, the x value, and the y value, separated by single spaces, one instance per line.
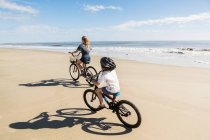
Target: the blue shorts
pixel 104 90
pixel 85 60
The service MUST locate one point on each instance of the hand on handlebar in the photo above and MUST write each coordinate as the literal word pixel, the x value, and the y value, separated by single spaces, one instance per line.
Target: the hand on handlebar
pixel 71 53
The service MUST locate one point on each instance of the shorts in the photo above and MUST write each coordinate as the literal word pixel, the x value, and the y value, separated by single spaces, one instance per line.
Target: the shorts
pixel 85 60
pixel 105 91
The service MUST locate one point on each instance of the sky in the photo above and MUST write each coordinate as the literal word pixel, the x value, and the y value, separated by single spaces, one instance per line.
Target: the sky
pixel 103 20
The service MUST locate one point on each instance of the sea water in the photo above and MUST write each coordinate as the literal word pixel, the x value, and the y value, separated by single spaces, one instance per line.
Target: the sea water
pixel 180 53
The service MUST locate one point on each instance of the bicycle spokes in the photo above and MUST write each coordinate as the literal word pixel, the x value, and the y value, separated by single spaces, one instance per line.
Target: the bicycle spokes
pixel 75 69
pixel 94 96
pixel 128 114
pixel 74 72
pixel 91 99
pixel 124 111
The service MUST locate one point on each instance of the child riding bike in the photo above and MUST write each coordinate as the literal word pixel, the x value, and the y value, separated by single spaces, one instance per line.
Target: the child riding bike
pixel 108 76
pixel 84 48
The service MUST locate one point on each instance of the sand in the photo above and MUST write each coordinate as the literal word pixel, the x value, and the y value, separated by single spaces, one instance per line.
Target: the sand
pixel 39 101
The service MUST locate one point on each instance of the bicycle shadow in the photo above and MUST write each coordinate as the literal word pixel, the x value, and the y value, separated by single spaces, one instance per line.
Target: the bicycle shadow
pixel 71 117
pixel 56 82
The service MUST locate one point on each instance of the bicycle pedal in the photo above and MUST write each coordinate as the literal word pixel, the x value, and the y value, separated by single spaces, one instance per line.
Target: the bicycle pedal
pixel 111 107
pixel 106 107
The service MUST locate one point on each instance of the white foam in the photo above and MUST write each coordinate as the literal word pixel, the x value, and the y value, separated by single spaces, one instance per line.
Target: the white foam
pixel 202 62
pixel 198 57
pixel 172 56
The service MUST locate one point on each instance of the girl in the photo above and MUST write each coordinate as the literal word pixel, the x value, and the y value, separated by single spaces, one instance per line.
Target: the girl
pixel 84 48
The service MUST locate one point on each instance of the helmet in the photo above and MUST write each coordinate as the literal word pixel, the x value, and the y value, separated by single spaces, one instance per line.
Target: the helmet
pixel 107 64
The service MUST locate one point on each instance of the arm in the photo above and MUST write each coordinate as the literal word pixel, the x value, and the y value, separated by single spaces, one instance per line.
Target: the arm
pixel 95 83
pixel 89 48
pixel 77 50
pixel 100 80
pixel 73 52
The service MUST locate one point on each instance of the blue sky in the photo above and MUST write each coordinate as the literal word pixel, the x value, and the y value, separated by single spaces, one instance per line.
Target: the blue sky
pixel 103 20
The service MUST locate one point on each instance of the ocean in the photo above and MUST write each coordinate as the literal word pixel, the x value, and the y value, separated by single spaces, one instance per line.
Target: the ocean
pixel 179 53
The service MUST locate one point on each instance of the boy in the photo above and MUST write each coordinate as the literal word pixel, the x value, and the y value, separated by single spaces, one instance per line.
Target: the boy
pixel 108 76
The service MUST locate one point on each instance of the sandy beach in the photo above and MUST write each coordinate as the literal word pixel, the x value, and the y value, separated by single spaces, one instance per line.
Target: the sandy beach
pixel 40 101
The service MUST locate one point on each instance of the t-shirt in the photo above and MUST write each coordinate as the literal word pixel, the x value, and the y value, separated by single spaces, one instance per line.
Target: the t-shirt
pixel 84 50
pixel 111 80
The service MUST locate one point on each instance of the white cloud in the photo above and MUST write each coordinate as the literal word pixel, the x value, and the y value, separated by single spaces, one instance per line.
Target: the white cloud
pixel 125 31
pixel 16 7
pixel 31 29
pixel 167 20
pixel 46 33
pixel 11 16
pixel 96 8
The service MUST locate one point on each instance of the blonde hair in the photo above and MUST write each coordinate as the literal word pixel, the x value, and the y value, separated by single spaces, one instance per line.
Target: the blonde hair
pixel 86 41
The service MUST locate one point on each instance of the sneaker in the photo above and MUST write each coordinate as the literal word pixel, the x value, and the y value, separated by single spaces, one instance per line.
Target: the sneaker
pixel 101 107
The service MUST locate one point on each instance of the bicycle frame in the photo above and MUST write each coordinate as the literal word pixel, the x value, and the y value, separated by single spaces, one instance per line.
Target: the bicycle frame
pixel 75 62
pixel 106 98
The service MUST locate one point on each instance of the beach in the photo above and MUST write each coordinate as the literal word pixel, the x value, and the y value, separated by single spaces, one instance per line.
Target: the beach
pixel 39 100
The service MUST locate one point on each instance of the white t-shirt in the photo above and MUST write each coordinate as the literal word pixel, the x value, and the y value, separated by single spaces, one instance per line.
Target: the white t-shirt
pixel 111 80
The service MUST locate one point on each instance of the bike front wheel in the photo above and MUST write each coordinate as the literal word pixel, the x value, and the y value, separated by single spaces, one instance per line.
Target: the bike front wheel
pixel 128 114
pixel 74 72
pixel 91 99
pixel 91 73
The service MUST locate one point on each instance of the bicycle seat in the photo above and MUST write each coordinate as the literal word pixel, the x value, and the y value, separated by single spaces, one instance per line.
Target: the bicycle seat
pixel 116 94
pixel 87 63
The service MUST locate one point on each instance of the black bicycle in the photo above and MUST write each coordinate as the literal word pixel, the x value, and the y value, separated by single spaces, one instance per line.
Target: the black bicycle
pixel 75 72
pixel 126 111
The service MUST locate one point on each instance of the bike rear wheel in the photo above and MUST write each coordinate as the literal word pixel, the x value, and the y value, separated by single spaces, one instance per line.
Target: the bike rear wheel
pixel 128 114
pixel 91 99
pixel 74 72
pixel 91 73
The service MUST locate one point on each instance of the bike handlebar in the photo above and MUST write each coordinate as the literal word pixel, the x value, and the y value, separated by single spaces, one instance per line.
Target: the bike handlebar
pixel 74 55
pixel 93 77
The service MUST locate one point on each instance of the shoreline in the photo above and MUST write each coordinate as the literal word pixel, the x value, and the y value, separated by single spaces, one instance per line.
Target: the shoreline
pixel 61 52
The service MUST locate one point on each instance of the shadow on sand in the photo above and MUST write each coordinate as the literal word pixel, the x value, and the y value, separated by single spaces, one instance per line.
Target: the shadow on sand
pixel 56 82
pixel 70 117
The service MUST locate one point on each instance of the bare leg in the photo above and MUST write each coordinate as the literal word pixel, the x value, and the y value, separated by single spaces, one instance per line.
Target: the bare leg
pixel 78 64
pixel 83 64
pixel 111 96
pixel 99 93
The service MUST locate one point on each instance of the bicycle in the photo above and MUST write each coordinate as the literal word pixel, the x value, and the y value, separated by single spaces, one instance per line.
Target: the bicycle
pixel 75 72
pixel 121 107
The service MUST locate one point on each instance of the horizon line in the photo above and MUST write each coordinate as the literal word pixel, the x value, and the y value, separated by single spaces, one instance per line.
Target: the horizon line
pixel 99 41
